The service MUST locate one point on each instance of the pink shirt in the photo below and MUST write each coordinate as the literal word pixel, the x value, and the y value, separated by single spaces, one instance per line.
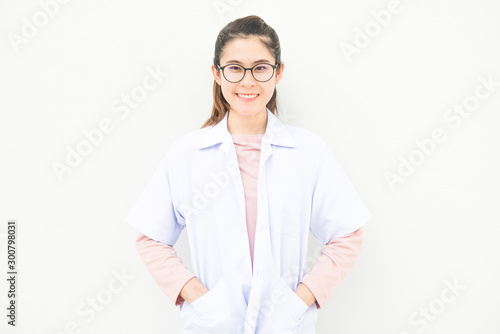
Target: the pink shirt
pixel 332 266
pixel 248 153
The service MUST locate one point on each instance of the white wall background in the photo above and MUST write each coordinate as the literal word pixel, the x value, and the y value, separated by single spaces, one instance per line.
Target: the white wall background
pixel 440 225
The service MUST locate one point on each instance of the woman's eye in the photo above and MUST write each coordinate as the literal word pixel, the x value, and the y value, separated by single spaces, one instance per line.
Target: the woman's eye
pixel 261 68
pixel 234 68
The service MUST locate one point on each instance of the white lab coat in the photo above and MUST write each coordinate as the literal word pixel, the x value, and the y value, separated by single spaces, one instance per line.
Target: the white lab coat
pixel 198 186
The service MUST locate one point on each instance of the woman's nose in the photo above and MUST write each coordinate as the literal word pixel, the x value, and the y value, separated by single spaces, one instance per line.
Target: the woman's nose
pixel 248 79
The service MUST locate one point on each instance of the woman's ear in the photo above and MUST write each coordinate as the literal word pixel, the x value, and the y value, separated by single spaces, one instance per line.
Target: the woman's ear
pixel 279 71
pixel 216 73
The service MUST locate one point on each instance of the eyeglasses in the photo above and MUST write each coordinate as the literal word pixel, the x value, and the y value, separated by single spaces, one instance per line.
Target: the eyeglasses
pixel 235 73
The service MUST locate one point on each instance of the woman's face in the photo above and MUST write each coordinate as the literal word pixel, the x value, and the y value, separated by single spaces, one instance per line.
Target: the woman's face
pixel 247 52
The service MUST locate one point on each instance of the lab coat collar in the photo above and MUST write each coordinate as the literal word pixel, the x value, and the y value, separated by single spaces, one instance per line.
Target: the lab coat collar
pixel 276 133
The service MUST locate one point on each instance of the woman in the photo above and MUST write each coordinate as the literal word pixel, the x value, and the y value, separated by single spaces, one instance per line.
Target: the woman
pixel 249 188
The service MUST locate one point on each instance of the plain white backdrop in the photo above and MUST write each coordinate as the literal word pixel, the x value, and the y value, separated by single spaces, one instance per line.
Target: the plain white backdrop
pixel 373 78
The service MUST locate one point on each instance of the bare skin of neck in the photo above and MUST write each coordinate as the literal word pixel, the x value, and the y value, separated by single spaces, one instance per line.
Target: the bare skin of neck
pixel 238 124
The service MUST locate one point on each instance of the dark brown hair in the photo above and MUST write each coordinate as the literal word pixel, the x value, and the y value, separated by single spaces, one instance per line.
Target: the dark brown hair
pixel 244 27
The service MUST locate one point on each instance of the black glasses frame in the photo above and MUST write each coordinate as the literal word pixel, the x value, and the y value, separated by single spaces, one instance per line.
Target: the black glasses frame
pixel 248 69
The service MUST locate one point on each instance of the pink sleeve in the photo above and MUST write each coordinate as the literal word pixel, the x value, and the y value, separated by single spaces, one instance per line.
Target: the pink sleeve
pixel 165 266
pixel 332 266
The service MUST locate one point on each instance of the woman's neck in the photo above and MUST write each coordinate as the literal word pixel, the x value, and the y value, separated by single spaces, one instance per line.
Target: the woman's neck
pixel 240 124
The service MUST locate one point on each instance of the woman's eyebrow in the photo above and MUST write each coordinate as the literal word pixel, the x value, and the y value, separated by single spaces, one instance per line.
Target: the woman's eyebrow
pixel 255 62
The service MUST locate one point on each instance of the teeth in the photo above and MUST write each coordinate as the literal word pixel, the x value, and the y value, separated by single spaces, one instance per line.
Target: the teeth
pixel 247 96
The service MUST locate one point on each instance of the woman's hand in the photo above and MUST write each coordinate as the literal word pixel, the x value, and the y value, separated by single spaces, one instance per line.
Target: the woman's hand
pixel 193 289
pixel 305 294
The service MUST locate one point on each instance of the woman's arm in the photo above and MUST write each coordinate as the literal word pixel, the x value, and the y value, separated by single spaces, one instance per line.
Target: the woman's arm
pixel 305 294
pixel 167 269
pixel 332 266
pixel 193 289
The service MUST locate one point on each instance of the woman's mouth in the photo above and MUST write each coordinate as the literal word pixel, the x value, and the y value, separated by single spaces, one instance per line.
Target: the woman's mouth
pixel 247 97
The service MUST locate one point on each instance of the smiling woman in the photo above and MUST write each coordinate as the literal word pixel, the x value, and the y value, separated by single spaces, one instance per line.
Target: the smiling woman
pixel 248 54
pixel 247 94
pixel 248 226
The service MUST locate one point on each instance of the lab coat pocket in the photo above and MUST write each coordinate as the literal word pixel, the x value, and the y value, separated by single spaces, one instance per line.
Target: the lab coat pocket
pixel 296 305
pixel 213 311
pixel 284 310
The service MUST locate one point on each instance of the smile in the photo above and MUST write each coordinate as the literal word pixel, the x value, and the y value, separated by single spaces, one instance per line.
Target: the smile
pixel 247 96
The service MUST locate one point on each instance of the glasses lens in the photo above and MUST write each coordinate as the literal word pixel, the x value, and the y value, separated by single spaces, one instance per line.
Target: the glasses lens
pixel 233 73
pixel 263 72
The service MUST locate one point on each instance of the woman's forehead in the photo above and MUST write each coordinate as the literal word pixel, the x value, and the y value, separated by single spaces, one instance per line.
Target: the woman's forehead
pixel 247 51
